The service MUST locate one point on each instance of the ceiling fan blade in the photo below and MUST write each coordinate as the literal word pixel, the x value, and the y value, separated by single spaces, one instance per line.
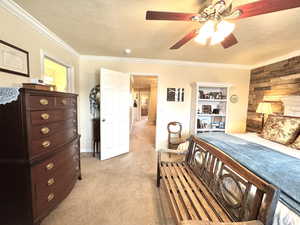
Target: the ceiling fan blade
pixel 157 15
pixel 229 41
pixel 185 39
pixel 266 6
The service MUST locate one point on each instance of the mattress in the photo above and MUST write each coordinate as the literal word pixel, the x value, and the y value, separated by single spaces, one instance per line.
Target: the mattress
pixel 283 215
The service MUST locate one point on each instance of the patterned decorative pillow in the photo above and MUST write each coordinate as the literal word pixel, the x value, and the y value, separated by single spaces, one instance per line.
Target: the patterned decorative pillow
pixel 281 129
pixel 296 144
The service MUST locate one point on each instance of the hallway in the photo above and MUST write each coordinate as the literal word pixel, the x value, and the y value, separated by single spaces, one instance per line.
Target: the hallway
pixel 119 191
pixel 142 136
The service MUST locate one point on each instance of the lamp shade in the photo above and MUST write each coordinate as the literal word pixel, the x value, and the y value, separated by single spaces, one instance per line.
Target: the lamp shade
pixel 265 108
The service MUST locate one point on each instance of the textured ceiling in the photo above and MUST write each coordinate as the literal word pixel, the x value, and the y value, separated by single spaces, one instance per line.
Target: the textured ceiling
pixel 107 27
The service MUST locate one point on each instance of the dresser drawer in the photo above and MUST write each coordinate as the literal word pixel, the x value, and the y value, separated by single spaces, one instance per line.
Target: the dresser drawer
pixel 42 131
pixel 40 102
pixel 57 176
pixel 50 196
pixel 47 144
pixel 56 162
pixel 43 117
pixel 65 102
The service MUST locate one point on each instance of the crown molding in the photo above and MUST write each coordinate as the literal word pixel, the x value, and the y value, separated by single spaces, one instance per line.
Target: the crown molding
pixel 22 14
pixel 277 59
pixel 163 61
pixel 18 11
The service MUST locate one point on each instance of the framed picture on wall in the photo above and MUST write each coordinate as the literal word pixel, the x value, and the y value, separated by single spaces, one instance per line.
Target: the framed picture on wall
pixel 175 94
pixel 13 59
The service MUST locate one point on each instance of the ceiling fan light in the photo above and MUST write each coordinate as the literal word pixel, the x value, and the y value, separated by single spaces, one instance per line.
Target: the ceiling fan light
pixel 225 28
pixel 217 38
pixel 206 32
pixel 201 39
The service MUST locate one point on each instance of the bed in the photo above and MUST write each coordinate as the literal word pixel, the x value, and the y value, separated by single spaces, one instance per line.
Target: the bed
pixel 285 214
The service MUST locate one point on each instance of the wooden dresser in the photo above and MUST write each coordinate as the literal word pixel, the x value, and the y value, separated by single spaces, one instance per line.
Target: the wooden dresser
pixel 39 155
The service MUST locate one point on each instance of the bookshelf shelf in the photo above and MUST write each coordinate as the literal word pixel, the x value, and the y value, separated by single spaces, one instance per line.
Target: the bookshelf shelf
pixel 212 115
pixel 209 107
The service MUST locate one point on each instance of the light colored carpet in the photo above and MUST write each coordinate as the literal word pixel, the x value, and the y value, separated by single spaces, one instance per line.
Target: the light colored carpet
pixel 119 191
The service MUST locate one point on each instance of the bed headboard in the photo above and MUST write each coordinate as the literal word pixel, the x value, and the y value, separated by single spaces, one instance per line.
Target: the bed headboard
pixel 291 105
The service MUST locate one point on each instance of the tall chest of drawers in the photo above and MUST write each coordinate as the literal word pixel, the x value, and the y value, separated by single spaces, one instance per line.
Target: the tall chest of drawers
pixel 39 155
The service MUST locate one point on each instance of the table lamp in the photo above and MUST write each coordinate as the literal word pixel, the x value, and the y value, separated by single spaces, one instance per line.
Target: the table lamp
pixel 264 108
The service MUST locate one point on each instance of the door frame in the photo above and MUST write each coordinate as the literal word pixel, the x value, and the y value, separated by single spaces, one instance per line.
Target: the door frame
pixel 157 98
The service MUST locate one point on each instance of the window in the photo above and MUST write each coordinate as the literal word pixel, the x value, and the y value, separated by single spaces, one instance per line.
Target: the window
pixel 57 74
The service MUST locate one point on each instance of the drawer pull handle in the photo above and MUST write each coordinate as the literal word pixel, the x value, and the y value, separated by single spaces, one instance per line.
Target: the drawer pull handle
pixel 44 101
pixel 46 144
pixel 50 166
pixel 51 181
pixel 45 116
pixel 50 197
pixel 45 130
pixel 64 101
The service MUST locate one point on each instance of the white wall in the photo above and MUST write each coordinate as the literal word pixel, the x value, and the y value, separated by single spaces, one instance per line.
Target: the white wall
pixel 22 34
pixel 170 75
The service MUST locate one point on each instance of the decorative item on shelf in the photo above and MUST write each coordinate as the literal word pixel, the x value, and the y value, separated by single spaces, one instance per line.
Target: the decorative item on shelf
pixel 13 59
pixel 206 109
pixel 222 125
pixel 205 123
pixel 216 111
pixel 234 98
pixel 215 125
pixel 201 94
pixel 175 94
pixel 265 108
pixel 95 101
pixel 40 86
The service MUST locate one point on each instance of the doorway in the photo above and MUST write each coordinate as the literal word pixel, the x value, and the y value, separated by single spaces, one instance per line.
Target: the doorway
pixel 143 112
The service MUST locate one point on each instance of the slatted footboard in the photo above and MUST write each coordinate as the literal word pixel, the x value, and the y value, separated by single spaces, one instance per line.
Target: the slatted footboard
pixel 211 186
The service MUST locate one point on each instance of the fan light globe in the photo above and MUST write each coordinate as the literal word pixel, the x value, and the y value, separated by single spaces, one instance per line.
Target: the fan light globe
pixel 205 32
pixel 216 34
pixel 224 28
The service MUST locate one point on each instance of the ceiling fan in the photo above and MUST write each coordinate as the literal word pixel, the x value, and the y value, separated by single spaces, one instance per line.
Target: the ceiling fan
pixel 217 17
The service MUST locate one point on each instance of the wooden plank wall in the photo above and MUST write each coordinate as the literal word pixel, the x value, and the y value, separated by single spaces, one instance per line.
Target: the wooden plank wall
pixel 270 83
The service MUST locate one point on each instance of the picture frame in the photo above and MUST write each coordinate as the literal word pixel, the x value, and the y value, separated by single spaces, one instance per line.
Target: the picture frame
pixel 206 109
pixel 13 59
pixel 175 94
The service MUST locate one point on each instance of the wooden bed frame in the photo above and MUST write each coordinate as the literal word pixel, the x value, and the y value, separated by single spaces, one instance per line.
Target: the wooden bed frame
pixel 211 186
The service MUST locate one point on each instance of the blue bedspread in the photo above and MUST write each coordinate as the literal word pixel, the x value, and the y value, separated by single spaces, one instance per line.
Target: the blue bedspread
pixel 277 168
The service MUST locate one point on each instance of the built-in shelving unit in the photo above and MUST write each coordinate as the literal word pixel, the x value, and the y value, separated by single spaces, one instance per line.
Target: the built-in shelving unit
pixel 209 107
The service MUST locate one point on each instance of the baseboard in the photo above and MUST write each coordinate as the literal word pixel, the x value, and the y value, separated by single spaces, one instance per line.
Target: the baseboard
pixel 86 150
pixel 86 154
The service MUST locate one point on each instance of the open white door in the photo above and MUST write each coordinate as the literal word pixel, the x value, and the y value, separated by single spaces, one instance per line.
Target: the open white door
pixel 114 113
